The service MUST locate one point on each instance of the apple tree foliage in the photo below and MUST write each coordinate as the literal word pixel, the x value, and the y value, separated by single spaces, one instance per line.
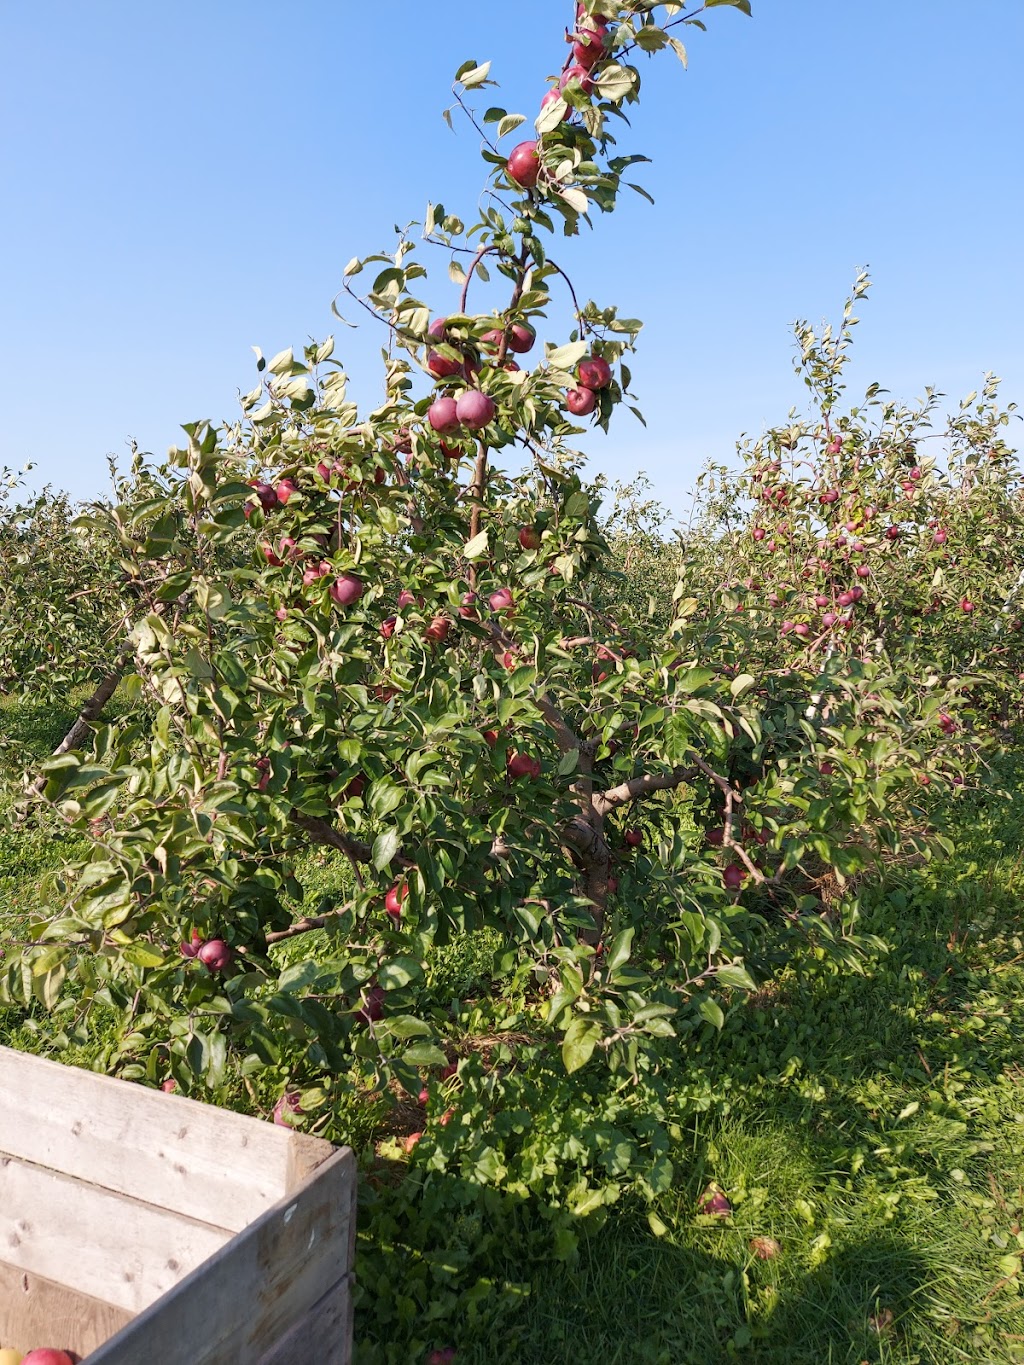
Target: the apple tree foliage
pixel 402 636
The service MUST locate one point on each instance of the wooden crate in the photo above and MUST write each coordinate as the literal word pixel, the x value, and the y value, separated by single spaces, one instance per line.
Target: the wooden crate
pixel 137 1226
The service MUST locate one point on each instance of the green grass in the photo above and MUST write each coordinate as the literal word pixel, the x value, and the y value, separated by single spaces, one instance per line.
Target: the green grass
pixel 873 1125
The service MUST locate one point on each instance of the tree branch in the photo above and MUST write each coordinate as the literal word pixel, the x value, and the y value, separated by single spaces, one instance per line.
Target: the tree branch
pixel 638 787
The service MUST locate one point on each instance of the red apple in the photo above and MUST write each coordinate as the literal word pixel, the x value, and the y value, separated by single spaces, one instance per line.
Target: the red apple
pixel 521 338
pixel 475 409
pixel 589 47
pixel 285 489
pixel 373 1005
pixel 501 599
pixel 634 838
pixel 594 372
pixel 734 876
pixel 529 537
pixel 863 571
pixel 940 537
pixel 191 949
pixel 443 414
pixel 387 627
pixel 315 572
pixel 393 900
pixel 286 1108
pixel 491 738
pixel 215 954
pixel 441 366
pixel 410 1142
pixel 439 629
pixel 523 165
pixel 581 402
pixel 406 598
pixel 758 533
pixel 966 605
pixel 522 765
pixel 577 75
pixel 830 497
pixel 45 1355
pixel 438 329
pixel 346 590
pixel 169 1086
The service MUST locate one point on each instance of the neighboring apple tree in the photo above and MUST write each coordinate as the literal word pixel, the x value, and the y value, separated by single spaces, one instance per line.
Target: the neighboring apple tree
pixel 401 636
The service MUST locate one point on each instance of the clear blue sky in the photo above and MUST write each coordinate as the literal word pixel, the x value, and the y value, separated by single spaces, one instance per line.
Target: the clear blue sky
pixel 184 181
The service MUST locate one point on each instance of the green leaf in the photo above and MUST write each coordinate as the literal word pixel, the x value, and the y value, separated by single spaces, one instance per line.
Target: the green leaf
pixel 737 977
pixel 711 1010
pixel 742 684
pixel 581 1037
pixel 424 1054
pixel 622 946
pixel 743 5
pixel 385 846
pixel 477 547
pixel 399 972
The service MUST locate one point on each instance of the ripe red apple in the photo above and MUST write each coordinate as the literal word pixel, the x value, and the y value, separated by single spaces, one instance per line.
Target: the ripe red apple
pixel 439 629
pixel 468 610
pixel 634 838
pixel 215 954
pixel 830 497
pixel 438 329
pixel 734 876
pixel 940 537
pixel 581 402
pixel 267 495
pixel 315 572
pixel 523 165
pixel 270 555
pixel 443 414
pixel 966 605
pixel 529 537
pixel 446 1356
pixel 522 765
pixel 168 1087
pixel 594 372
pixel 829 619
pixel 552 97
pixel 893 533
pixel 827 769
pixel 821 600
pixel 373 1005
pixel 406 598
pixel 387 627
pixel 287 1108
pixel 521 338
pixel 441 366
pixel 491 738
pixel 410 1142
pixel 589 46
pixel 759 533
pixel 191 948
pixel 509 660
pixel 863 571
pixel 346 590
pixel 475 409
pixel 393 900
pixel 576 75
pixel 285 489
pixel 802 629
pixel 45 1355
pixel 501 599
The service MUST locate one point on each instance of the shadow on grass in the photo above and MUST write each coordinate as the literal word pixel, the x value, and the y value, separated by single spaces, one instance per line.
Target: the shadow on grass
pixel 621 1296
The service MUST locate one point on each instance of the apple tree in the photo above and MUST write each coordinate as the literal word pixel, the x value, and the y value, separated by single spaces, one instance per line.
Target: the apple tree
pixel 401 636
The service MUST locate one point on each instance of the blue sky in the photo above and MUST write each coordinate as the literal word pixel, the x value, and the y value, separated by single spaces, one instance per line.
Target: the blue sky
pixel 182 182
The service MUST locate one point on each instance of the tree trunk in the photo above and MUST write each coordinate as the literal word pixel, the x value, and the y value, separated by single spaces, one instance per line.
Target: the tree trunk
pixel 90 712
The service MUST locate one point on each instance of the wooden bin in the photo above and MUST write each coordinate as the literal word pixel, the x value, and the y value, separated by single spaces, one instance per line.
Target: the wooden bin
pixel 137 1226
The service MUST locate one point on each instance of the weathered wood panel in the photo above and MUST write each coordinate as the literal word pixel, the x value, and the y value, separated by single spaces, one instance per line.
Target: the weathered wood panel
pixel 206 1163
pixel 37 1312
pixel 241 1306
pixel 97 1243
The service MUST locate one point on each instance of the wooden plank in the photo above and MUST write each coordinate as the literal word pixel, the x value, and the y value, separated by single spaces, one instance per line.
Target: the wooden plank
pixel 206 1163
pixel 245 1300
pixel 105 1245
pixel 37 1312
pixel 323 1333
